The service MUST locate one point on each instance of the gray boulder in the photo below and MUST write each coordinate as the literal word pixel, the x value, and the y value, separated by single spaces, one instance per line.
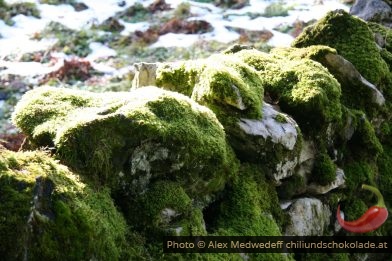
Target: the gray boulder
pixel 373 10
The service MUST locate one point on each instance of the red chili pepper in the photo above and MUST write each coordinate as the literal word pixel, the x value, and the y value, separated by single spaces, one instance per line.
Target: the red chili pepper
pixel 373 218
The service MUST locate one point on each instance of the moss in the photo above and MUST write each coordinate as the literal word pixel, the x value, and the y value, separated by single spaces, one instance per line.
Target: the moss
pixel 364 144
pixel 352 39
pixel 251 208
pixel 57 2
pixel 47 211
pixel 248 206
pixel 383 32
pixel 385 174
pixel 303 88
pixel 354 94
pixel 324 170
pixel 353 209
pixel 275 9
pixel 313 52
pixel 134 14
pixel 280 118
pixel 125 140
pixel 24 8
pixel 323 256
pixel 219 80
pixel 358 173
pixel 70 41
pixel 291 186
pixel 166 209
pixel 183 10
pixel 179 76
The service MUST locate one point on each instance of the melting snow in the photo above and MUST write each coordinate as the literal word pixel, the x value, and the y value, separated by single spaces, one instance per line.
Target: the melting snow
pixel 18 39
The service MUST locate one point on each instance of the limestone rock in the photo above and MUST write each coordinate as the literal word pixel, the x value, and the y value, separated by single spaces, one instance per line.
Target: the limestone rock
pixel 337 183
pixel 309 217
pixel 145 74
pixel 273 140
pixel 278 127
pixel 373 10
pixel 347 74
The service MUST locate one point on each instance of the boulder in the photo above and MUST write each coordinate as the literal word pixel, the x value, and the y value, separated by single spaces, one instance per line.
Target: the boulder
pixel 317 189
pixel 357 45
pixel 303 88
pixel 220 82
pixel 378 11
pixel 308 217
pixel 46 210
pixel 126 140
pixel 275 140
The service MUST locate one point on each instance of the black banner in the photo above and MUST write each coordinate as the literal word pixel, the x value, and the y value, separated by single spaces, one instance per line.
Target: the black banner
pixel 277 244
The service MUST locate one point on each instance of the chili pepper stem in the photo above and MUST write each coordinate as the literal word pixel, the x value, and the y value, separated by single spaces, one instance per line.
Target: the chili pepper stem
pixel 380 202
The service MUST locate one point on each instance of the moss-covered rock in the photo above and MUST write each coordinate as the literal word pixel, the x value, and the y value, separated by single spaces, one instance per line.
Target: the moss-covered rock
pixel 47 211
pixel 357 92
pixel 250 206
pixel 127 140
pixel 352 39
pixel 220 82
pixel 165 209
pixel 324 170
pixel 303 88
pixel 274 142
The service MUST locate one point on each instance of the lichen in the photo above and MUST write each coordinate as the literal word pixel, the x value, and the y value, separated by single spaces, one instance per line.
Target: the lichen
pixel 47 211
pixel 102 134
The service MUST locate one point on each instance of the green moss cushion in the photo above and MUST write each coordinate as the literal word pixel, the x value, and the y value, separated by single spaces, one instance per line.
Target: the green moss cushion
pixel 128 139
pixel 46 211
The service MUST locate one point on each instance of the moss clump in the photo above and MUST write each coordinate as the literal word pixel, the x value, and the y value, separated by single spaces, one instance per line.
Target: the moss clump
pixel 313 52
pixel 126 140
pixel 303 88
pixel 358 173
pixel 291 186
pixel 47 211
pixel 220 81
pixel 385 173
pixel 24 8
pixel 248 206
pixel 324 257
pixel 135 13
pixel 275 9
pixel 166 209
pixel 383 32
pixel 352 39
pixel 364 143
pixel 324 170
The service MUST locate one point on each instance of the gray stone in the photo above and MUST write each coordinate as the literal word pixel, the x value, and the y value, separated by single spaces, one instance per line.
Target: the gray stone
pixel 145 74
pixel 309 217
pixel 346 73
pixel 337 183
pixel 373 10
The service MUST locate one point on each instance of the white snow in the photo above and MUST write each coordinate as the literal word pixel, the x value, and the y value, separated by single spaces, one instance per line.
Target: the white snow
pixel 19 39
pixel 28 68
pixel 98 50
